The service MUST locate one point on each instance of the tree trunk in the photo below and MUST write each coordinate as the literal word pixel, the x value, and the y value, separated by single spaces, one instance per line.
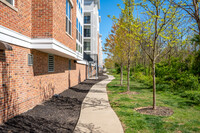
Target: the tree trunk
pixel 128 75
pixel 154 57
pixel 144 63
pixel 154 84
pixel 150 68
pixel 121 77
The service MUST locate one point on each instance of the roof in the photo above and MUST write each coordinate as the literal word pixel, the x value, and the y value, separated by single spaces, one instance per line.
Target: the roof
pixel 98 3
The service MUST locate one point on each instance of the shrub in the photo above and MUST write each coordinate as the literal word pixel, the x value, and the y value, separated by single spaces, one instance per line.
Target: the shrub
pixel 140 77
pixel 188 82
pixel 176 76
pixel 163 87
pixel 192 95
pixel 196 64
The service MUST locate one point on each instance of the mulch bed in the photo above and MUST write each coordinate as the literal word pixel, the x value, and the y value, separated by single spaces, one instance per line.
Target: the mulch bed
pixel 159 111
pixel 60 114
pixel 129 93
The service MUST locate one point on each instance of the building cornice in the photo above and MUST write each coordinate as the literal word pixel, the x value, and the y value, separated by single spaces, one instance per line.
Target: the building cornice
pixel 48 45
pixel 98 3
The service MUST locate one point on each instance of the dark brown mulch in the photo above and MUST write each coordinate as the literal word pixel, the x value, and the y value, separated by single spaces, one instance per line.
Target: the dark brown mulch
pixel 60 114
pixel 159 111
pixel 129 93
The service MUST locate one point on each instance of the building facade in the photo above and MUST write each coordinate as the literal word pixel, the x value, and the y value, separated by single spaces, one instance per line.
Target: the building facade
pixel 92 37
pixel 41 51
pixel 100 53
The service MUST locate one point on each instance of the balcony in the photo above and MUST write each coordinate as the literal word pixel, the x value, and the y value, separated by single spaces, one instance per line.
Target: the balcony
pixel 91 57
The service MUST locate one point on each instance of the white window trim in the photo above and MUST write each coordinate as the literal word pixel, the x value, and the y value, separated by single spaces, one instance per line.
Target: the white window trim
pixel 10 5
pixel 69 35
pixel 71 2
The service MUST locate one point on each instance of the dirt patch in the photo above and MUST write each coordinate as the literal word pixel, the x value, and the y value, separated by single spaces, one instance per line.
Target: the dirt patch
pixel 159 111
pixel 129 93
pixel 60 114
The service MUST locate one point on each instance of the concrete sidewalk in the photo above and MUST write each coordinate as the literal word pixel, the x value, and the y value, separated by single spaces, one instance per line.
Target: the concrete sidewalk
pixel 96 114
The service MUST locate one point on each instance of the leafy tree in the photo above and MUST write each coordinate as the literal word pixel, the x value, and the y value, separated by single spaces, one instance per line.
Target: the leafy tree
pixel 158 30
pixel 109 63
pixel 191 7
pixel 114 47
pixel 129 27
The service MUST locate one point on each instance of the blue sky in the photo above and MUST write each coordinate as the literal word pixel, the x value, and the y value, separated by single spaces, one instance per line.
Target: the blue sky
pixel 108 7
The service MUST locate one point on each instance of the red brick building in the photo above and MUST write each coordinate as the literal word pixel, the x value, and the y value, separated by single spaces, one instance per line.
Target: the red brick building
pixel 38 52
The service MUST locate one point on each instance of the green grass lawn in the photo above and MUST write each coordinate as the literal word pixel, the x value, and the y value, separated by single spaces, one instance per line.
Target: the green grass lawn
pixel 186 117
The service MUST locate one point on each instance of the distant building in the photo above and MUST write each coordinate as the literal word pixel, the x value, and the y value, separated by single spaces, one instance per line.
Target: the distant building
pixel 100 53
pixel 92 43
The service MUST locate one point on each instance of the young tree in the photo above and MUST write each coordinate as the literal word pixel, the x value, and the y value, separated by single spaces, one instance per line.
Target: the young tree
pixel 114 47
pixel 156 31
pixel 129 27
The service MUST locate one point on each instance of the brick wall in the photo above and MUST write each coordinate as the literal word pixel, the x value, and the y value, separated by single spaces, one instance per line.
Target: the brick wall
pixel 23 87
pixel 42 18
pixel 49 21
pixel 19 21
pixel 59 23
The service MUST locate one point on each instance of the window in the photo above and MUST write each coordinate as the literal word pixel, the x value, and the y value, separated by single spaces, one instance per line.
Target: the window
pixel 68 18
pixel 87 32
pixel 81 30
pixel 79 48
pixel 11 2
pixel 76 46
pixel 79 26
pixel 87 19
pixel 76 23
pixel 79 37
pixel 70 64
pixel 30 59
pixel 87 45
pixel 87 2
pixel 51 63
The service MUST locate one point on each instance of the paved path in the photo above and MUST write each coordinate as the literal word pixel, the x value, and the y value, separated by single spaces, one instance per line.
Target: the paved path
pixel 96 114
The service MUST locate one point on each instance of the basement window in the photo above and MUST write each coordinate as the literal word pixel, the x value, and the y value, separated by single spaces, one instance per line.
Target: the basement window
pixel 10 3
pixel 30 59
pixel 51 63
pixel 70 64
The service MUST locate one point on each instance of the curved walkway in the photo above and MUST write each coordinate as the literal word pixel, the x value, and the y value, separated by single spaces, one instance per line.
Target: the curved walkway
pixel 97 116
